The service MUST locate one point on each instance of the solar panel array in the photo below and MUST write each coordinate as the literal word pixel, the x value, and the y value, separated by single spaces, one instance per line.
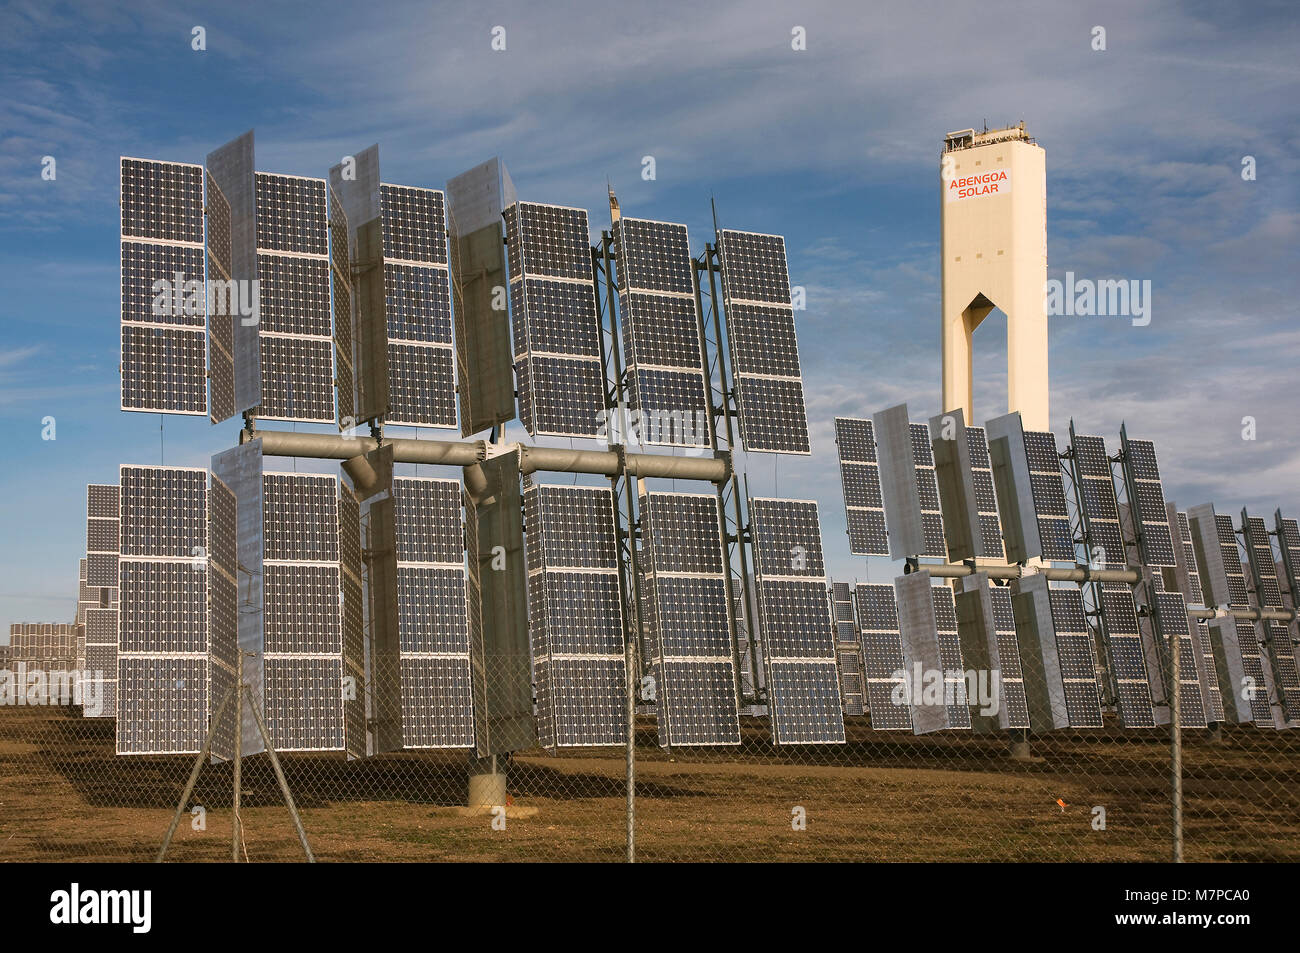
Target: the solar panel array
pixel 170 654
pixel 927 486
pixel 164 332
pixel 686 611
pixel 764 351
pixel 294 321
pixel 986 501
pixel 1128 663
pixel 661 332
pixel 848 649
pixel 798 644
pixel 1171 622
pixel 1098 507
pixel 557 339
pixel 882 657
pixel 417 307
pixel 575 615
pixel 860 478
pixel 1074 651
pixel 98 615
pixel 1049 496
pixel 433 628
pixel 1014 711
pixel 1277 635
pixel 1146 499
pixel 312 669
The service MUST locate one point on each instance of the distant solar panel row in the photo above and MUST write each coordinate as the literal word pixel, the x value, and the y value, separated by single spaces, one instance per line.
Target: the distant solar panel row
pixel 164 300
pixel 798 644
pixel 433 627
pixel 860 479
pixel 761 334
pixel 661 332
pixel 686 612
pixel 556 332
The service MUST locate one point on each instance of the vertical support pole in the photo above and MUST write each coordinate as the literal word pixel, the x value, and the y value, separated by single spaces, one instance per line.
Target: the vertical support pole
pixel 279 777
pixel 235 824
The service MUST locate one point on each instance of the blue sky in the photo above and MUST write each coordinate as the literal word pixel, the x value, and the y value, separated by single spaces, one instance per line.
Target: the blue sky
pixel 836 147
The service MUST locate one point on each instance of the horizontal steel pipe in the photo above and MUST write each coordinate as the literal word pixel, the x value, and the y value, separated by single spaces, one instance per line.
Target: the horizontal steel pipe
pixel 606 462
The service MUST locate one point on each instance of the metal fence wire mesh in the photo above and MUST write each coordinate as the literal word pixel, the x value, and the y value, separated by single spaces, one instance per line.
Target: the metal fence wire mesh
pixel 1102 794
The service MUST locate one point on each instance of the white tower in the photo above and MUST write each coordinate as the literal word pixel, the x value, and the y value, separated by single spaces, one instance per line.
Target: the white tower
pixel 995 256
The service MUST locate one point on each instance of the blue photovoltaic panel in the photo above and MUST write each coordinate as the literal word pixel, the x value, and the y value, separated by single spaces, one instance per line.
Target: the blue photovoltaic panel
pixel 686 612
pixel 163 334
pixel 1128 667
pixel 1015 705
pixel 556 330
pixel 761 335
pixel 575 615
pixel 1048 493
pixel 1075 654
pixel 927 486
pixel 986 502
pixel 661 332
pixel 1146 500
pixel 1098 506
pixel 882 657
pixel 860 481
pixel 433 626
pixel 798 642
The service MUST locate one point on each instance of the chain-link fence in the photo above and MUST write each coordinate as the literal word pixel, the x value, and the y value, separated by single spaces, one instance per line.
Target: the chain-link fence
pixel 1098 795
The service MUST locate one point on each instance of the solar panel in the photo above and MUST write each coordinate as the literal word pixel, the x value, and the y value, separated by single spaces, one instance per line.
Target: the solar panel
pixel 933 668
pixel 1239 663
pixel 221 316
pixel 686 612
pixel 341 293
pixel 1049 496
pixel 575 615
pixel 1215 544
pixel 882 657
pixel 557 334
pixel 986 503
pixel 1184 576
pixel 1078 666
pixel 295 320
pixel 1288 539
pixel 101 535
pixel 101 658
pixel 417 307
pixel 661 330
pixel 1098 507
pixel 1211 694
pixel 764 351
pixel 1146 499
pixel 848 650
pixel 860 480
pixel 928 489
pixel 1268 593
pixel 1014 711
pixel 433 628
pixel 798 643
pixel 1128 665
pixel 1171 622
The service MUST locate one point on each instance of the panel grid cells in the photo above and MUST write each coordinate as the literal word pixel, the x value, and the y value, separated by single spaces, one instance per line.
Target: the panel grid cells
pixel 295 315
pixel 575 615
pixel 799 642
pixel 433 614
pixel 851 693
pixel 860 480
pixel 556 331
pixel 954 667
pixel 341 292
pixel 1268 593
pixel 1171 622
pixel 101 535
pixel 1098 506
pixel 685 585
pixel 661 338
pixel 414 224
pixel 1049 496
pixel 986 503
pixel 1214 712
pixel 1075 652
pixel 1128 666
pixel 882 653
pixel 1185 556
pixel 762 341
pixel 101 657
pixel 1147 502
pixel 927 486
pixel 1231 560
pixel 221 330
pixel 162 201
pixel 1014 702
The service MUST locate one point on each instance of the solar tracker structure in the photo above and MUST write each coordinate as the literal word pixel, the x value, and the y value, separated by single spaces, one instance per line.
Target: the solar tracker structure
pixel 557 335
pixel 1277 635
pixel 761 335
pixel 1171 622
pixel 662 347
pixel 798 644
pixel 433 628
pixel 1146 498
pixel 860 479
pixel 1098 506
pixel 986 502
pixel 163 334
pixel 848 649
pixel 170 654
pixel 312 669
pixel 1075 653
pixel 294 320
pixel 686 610
pixel 575 615
pixel 882 657
pixel 417 307
pixel 1130 680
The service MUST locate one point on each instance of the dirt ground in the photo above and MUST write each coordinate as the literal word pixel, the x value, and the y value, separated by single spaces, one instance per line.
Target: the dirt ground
pixel 64 795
